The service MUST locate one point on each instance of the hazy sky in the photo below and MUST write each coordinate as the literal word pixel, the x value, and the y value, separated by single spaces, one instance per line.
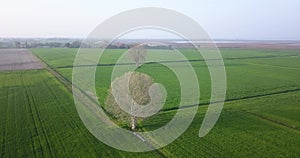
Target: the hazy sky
pixel 233 19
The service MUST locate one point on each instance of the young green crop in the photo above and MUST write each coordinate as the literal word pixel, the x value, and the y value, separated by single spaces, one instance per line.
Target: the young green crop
pixel 38 119
pixel 250 73
pixel 260 118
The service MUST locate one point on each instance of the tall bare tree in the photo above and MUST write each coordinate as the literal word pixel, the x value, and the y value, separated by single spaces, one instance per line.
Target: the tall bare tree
pixel 137 54
pixel 139 85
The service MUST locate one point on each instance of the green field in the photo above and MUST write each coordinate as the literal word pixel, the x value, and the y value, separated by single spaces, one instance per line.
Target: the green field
pixel 246 128
pixel 40 120
pixel 249 72
pixel 260 117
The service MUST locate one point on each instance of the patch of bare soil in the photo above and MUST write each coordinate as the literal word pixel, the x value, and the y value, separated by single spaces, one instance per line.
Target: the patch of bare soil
pixel 18 59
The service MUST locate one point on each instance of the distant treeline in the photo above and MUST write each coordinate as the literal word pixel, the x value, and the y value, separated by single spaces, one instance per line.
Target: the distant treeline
pixel 75 44
pixel 31 44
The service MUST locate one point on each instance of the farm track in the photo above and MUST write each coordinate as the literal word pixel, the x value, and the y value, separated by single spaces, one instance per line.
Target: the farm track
pixel 176 61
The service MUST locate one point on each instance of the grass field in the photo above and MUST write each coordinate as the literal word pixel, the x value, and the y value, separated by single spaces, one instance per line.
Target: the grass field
pixel 260 117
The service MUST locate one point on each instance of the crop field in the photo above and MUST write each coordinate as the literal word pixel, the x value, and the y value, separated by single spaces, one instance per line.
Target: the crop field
pixel 250 73
pixel 260 117
pixel 39 119
pixel 18 59
pixel 246 128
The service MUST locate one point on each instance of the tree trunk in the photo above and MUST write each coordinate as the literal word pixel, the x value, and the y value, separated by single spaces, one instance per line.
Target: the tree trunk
pixel 133 118
pixel 133 122
pixel 137 64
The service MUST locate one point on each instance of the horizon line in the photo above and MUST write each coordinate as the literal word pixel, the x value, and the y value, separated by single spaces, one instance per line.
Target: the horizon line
pixel 214 39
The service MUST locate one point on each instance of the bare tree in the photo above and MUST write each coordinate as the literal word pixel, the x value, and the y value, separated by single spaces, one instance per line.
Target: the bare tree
pixel 137 54
pixel 139 85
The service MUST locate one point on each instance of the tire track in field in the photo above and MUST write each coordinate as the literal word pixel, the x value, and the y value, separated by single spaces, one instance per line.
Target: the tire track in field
pixel 56 100
pixel 75 125
pixel 271 120
pixel 276 66
pixel 72 120
pixel 30 117
pixel 4 121
pixel 9 126
pixel 35 133
pixel 59 105
pixel 45 135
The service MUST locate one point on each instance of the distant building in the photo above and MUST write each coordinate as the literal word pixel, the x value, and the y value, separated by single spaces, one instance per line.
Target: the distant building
pixel 22 44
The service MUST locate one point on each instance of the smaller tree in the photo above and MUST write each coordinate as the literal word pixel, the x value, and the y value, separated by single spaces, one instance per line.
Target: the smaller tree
pixel 137 54
pixel 68 45
pixel 76 44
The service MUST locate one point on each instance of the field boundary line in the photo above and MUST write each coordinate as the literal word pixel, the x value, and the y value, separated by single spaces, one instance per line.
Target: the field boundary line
pixel 277 66
pixel 56 74
pixel 272 120
pixel 234 99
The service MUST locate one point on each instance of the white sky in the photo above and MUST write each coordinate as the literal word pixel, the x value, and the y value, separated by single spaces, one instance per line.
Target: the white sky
pixel 230 19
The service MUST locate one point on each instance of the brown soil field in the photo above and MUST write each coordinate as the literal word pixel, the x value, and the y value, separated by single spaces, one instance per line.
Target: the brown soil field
pixel 18 59
pixel 245 45
pixel 285 46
